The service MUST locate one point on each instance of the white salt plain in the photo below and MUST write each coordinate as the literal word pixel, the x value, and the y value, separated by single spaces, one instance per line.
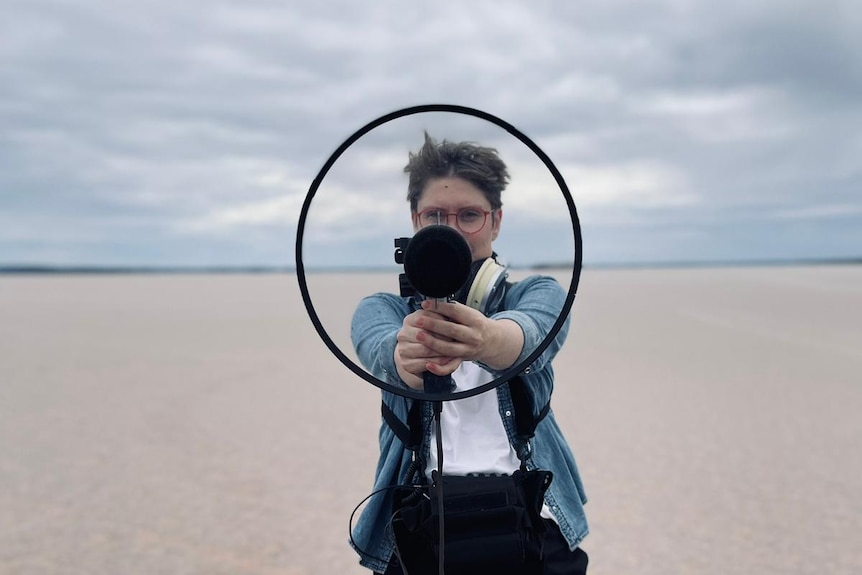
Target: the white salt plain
pixel 197 424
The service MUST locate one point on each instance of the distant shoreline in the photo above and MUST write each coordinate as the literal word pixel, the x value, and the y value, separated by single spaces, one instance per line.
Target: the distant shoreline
pixel 36 269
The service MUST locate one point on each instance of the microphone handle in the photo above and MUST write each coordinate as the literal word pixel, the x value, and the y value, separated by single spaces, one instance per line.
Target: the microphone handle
pixel 437 383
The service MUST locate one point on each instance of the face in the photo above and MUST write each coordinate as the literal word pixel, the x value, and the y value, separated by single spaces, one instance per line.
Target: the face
pixel 452 195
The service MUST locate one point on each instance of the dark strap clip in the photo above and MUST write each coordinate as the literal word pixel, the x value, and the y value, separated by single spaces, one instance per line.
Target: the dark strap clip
pixel 524 451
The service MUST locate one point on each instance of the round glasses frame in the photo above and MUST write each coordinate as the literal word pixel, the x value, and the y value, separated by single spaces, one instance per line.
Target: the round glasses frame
pixel 442 218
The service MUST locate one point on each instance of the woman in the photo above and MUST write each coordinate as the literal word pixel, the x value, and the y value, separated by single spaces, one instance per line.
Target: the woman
pixel 399 339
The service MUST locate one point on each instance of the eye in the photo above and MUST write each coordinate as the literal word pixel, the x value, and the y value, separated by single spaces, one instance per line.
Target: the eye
pixel 432 216
pixel 469 215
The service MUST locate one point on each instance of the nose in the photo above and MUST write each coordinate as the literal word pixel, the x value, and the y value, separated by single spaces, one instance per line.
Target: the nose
pixel 448 221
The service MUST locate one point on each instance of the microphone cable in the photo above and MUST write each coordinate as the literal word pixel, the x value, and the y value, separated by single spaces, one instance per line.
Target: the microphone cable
pixel 438 408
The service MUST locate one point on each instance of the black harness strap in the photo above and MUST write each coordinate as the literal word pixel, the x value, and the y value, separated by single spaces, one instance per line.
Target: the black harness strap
pixel 401 431
pixel 525 423
pixel 410 434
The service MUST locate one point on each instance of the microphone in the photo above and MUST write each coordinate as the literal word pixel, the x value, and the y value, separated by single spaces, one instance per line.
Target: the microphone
pixel 437 263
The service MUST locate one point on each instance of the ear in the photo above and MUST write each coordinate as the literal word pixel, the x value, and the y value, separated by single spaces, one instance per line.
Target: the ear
pixel 414 217
pixel 496 220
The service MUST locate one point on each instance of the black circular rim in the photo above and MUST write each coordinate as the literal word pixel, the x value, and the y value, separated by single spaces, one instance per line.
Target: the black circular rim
pixel 516 369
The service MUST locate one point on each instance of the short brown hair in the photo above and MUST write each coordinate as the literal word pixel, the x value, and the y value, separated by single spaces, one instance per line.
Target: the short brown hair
pixel 479 165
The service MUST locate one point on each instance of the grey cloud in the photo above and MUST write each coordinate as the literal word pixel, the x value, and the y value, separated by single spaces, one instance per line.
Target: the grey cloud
pixel 158 114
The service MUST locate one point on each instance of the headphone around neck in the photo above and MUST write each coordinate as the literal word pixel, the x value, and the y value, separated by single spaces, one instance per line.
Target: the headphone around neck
pixel 486 287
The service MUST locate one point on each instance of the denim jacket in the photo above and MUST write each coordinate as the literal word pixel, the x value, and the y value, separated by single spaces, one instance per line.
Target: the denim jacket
pixel 534 304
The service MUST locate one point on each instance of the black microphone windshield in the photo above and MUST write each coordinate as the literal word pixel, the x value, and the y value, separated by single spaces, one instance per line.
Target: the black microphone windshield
pixel 437 261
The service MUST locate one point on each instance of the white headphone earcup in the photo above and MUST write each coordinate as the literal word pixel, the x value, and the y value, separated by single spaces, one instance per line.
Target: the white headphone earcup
pixel 486 286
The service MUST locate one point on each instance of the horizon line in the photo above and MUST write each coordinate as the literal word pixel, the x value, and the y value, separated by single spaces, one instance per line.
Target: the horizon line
pixel 96 269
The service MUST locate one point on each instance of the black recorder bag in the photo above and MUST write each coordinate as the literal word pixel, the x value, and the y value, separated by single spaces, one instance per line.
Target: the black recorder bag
pixel 492 524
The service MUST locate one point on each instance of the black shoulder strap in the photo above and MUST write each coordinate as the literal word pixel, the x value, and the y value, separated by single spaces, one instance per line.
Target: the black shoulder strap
pixel 409 433
pixel 525 423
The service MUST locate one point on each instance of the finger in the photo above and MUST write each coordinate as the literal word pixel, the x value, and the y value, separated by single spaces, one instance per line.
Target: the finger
pixel 419 364
pixel 430 312
pixel 454 314
pixel 414 365
pixel 419 354
pixel 416 351
pixel 417 321
pixel 437 326
pixel 442 346
pixel 414 335
pixel 441 367
pixel 450 310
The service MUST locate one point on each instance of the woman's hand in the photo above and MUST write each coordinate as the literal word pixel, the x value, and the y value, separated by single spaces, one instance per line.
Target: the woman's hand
pixel 414 350
pixel 454 330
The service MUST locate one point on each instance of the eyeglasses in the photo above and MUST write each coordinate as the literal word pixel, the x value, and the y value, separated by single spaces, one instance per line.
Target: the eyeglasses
pixel 468 220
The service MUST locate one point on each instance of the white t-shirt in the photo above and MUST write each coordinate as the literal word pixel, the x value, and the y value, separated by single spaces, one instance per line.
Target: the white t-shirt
pixel 474 439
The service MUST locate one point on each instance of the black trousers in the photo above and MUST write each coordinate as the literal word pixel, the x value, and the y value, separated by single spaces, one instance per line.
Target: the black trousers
pixel 558 560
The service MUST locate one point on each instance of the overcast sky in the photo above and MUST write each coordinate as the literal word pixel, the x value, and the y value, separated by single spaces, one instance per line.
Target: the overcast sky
pixel 189 133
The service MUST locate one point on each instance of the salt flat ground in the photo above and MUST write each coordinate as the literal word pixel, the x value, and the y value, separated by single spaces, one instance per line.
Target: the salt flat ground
pixel 196 424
